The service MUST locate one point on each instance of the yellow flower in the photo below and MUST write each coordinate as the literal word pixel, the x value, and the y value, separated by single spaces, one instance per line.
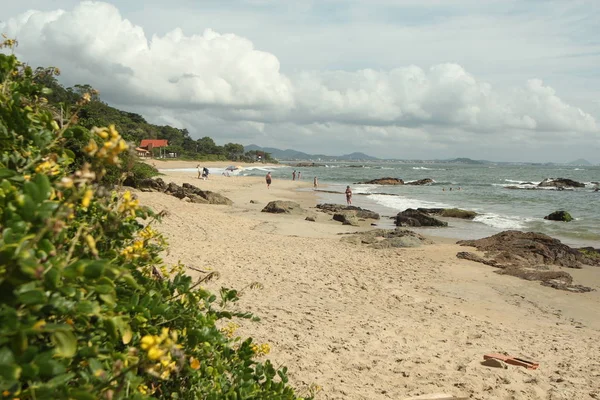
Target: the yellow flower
pixel 91 147
pixel 147 342
pixel 87 198
pixel 89 239
pixel 27 177
pixel 194 363
pixel 154 353
pixel 39 325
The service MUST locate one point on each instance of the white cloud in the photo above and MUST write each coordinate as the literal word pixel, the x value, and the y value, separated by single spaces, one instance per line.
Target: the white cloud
pixel 222 81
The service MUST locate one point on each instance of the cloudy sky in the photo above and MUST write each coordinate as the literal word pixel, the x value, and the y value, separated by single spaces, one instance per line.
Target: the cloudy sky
pixel 504 80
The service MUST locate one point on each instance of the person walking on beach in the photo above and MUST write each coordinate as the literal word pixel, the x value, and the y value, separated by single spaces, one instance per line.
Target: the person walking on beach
pixel 299 175
pixel 268 179
pixel 348 195
pixel 316 182
pixel 294 175
pixel 199 171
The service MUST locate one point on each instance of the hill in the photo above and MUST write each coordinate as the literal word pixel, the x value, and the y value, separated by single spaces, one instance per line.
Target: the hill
pixel 290 154
pixel 580 162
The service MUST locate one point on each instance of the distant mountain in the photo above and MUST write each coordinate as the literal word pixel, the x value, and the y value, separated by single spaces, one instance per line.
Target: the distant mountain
pixel 580 162
pixel 464 160
pixel 298 155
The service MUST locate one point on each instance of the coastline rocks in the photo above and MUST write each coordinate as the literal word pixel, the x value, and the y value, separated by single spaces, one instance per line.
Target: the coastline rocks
pixel 449 212
pixel 383 181
pixel 412 217
pixel 559 216
pixel 308 164
pixel 426 181
pixel 187 192
pixel 346 218
pixel 560 183
pixel 282 207
pixel 338 208
pixel 386 238
pixel 527 249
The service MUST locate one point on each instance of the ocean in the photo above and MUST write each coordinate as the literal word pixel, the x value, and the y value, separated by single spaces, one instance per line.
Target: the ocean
pixel 483 189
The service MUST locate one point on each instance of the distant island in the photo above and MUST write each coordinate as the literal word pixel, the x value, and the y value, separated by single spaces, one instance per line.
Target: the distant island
pixel 293 155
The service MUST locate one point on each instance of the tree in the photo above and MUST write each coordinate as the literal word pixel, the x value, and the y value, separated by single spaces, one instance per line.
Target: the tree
pixel 234 151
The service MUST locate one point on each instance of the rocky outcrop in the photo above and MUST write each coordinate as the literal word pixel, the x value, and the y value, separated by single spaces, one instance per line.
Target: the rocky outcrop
pixel 560 183
pixel 449 212
pixel 412 217
pixel 346 218
pixel 386 238
pixel 337 208
pixel 384 181
pixel 187 192
pixel 559 216
pixel 308 164
pixel 529 249
pixel 528 255
pixel 283 207
pixel 426 181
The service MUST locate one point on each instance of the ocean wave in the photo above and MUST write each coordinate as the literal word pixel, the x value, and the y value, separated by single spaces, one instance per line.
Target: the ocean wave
pixel 501 221
pixel 364 189
pixel 522 182
pixel 401 203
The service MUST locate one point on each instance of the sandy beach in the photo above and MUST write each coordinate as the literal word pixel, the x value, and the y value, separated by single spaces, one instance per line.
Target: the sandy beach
pixel 366 323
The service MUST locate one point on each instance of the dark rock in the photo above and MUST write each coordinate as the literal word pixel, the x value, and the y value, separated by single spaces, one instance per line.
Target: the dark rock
pixel 337 208
pixel 412 217
pixel 346 218
pixel 308 164
pixel 384 181
pixel 426 181
pixel 388 238
pixel 449 212
pixel 210 197
pixel 528 249
pixel 465 255
pixel 253 202
pixel 173 188
pixel 559 216
pixel 155 184
pixel 560 183
pixel 311 219
pixel 283 207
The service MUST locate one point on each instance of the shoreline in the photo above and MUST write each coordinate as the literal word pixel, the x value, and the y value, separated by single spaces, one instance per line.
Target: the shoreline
pixel 379 323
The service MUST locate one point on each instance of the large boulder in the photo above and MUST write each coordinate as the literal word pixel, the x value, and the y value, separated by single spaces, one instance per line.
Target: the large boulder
pixel 384 181
pixel 449 212
pixel 337 208
pixel 156 184
pixel 560 183
pixel 283 207
pixel 210 197
pixel 529 249
pixel 559 216
pixel 346 218
pixel 412 217
pixel 426 181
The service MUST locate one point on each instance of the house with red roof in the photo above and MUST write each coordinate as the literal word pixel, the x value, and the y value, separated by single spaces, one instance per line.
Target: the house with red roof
pixel 149 144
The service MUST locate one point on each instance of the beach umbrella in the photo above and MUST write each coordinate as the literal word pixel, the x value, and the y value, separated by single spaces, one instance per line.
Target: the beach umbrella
pixel 231 168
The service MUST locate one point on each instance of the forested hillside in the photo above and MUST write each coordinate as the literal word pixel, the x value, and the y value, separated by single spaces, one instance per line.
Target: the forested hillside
pixel 133 127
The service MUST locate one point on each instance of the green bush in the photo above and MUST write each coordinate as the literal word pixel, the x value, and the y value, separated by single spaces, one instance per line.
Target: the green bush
pixel 88 310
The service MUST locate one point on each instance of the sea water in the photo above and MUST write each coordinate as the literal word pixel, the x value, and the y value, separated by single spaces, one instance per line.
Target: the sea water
pixel 483 189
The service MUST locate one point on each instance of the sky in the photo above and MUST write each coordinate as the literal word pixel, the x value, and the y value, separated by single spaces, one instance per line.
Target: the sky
pixel 502 80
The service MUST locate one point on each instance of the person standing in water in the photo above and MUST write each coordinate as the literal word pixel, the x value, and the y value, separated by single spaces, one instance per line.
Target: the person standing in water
pixel 348 195
pixel 294 175
pixel 316 182
pixel 268 179
pixel 299 175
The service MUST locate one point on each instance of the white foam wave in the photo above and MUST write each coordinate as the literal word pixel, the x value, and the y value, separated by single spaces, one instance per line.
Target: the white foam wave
pixel 425 168
pixel 501 221
pixel 402 203
pixel 520 182
pixel 365 188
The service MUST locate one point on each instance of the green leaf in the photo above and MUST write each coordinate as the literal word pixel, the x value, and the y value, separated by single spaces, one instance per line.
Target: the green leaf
pixel 95 269
pixel 87 307
pixel 6 173
pixel 109 299
pixel 104 289
pixel 61 379
pixel 32 297
pixel 43 186
pixel 81 395
pixel 65 344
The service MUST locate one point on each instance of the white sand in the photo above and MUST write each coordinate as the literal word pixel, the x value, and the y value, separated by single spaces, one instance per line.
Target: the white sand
pixel 382 324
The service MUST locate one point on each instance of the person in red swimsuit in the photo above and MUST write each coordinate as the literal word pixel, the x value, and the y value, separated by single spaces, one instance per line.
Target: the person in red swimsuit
pixel 348 195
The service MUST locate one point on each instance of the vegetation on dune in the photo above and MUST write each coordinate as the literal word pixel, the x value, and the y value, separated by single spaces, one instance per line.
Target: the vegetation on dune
pixel 88 310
